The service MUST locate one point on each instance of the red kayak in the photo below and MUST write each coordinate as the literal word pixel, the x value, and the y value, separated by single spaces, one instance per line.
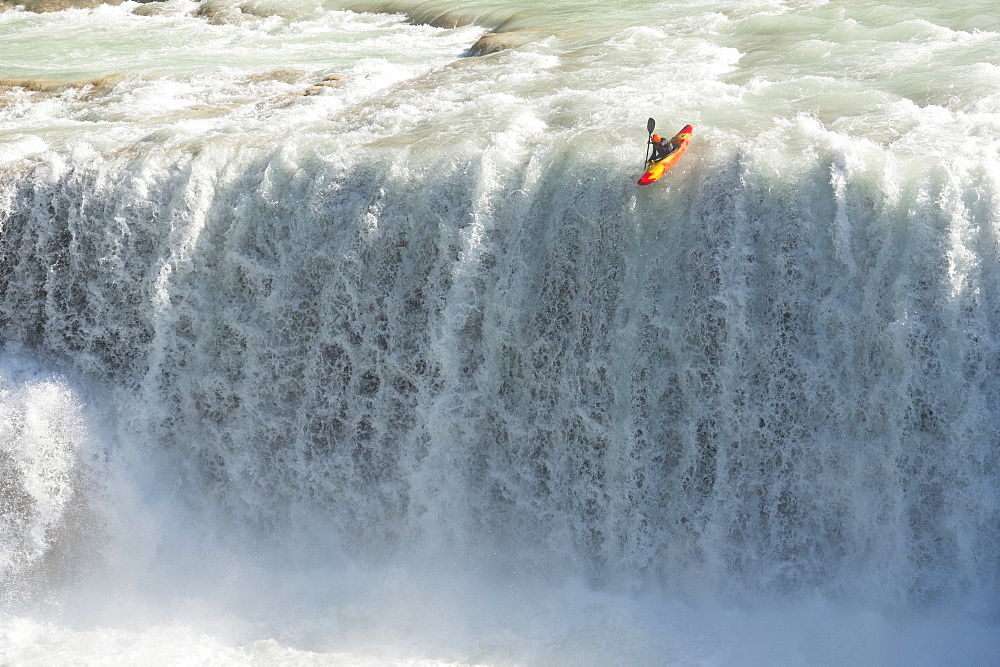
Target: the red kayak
pixel 654 170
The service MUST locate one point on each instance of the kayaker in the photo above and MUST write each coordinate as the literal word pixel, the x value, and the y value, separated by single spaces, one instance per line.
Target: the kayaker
pixel 661 147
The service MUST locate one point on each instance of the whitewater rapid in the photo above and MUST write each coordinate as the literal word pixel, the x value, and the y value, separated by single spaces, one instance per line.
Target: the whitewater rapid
pixel 330 337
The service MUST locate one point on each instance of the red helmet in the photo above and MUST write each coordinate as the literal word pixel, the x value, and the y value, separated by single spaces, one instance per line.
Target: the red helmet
pixel 656 137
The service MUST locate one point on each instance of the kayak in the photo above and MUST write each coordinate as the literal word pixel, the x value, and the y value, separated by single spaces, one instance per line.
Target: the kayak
pixel 654 170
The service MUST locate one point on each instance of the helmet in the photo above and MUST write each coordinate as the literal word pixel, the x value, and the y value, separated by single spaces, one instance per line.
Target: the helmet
pixel 656 137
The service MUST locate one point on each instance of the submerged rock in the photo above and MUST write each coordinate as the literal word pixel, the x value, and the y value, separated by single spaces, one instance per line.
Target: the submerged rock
pixel 420 15
pixel 290 76
pixel 220 12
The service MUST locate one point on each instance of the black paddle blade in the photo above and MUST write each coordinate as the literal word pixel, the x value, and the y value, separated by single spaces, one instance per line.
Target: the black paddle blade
pixel 650 124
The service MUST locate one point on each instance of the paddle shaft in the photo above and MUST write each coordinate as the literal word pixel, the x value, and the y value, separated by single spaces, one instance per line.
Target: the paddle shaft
pixel 650 124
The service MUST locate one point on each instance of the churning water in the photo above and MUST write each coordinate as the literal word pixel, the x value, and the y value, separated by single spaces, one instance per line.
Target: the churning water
pixel 339 333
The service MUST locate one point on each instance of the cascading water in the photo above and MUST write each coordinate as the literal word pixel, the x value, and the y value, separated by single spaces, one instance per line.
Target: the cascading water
pixel 407 367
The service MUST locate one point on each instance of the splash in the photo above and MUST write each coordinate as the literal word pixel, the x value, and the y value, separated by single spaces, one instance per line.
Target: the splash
pixel 41 436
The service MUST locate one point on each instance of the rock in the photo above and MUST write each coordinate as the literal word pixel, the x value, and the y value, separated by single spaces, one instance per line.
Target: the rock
pixel 100 85
pixel 218 13
pixel 331 81
pixel 493 42
pixel 46 6
pixel 150 8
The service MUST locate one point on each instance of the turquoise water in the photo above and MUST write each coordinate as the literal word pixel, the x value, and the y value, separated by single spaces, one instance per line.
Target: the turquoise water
pixel 327 342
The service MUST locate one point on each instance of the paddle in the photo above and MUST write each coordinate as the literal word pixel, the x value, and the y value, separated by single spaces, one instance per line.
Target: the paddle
pixel 650 124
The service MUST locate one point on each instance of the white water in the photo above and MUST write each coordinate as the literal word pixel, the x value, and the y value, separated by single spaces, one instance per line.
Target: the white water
pixel 408 370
